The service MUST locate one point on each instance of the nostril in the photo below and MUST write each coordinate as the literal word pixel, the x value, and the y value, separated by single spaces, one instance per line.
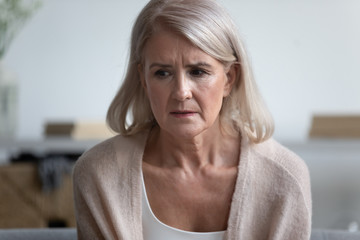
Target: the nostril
pixel 181 88
pixel 182 95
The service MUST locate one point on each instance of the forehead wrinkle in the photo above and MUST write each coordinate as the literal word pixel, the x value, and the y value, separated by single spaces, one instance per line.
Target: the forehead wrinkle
pixel 198 64
pixel 180 51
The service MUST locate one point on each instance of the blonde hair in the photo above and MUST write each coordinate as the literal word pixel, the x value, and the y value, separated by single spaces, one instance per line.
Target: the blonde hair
pixel 208 26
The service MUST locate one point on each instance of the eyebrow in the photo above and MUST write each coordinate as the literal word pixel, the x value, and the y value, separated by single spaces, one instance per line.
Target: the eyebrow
pixel 198 64
pixel 160 65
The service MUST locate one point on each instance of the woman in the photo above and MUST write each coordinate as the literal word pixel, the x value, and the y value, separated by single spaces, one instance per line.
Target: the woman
pixel 196 160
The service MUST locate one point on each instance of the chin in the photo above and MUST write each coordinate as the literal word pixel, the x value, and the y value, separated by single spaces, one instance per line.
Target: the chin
pixel 185 132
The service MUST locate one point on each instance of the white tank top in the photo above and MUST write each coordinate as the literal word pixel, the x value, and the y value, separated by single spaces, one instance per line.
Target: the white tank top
pixel 154 229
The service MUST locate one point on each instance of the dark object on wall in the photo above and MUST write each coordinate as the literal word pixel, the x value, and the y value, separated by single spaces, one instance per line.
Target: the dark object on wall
pixel 51 167
pixel 51 171
pixel 35 157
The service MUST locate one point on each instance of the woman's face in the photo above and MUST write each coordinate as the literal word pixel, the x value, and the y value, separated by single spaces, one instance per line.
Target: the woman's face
pixel 185 86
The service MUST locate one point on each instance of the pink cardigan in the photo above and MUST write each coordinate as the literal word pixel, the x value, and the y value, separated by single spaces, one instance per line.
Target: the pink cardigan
pixel 272 198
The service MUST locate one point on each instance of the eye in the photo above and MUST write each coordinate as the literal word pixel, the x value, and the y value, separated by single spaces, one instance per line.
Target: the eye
pixel 161 74
pixel 198 72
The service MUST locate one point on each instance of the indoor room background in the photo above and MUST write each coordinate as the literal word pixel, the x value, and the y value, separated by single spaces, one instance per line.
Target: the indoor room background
pixel 70 57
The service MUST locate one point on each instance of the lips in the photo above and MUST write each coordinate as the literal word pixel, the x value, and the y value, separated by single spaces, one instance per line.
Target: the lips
pixel 182 113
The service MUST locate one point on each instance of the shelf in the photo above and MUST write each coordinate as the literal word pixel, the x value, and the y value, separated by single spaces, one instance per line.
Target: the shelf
pixel 9 148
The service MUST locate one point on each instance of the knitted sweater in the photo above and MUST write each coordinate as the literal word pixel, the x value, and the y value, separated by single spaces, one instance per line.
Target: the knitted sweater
pixel 272 198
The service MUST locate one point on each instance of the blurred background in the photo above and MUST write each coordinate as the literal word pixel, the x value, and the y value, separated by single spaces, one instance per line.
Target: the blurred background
pixel 67 61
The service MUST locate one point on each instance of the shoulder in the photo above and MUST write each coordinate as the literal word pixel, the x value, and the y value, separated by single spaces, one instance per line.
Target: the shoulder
pixel 273 153
pixel 108 156
pixel 284 169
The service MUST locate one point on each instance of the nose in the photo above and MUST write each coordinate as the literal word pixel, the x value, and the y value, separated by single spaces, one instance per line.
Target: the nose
pixel 181 88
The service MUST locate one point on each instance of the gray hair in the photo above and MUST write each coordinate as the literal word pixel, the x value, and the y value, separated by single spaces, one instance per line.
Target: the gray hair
pixel 208 26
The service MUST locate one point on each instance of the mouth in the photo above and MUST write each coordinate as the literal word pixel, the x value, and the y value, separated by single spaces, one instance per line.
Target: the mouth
pixel 182 114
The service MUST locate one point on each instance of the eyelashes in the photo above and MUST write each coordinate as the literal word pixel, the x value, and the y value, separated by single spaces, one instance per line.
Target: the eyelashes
pixel 192 73
pixel 162 74
pixel 198 73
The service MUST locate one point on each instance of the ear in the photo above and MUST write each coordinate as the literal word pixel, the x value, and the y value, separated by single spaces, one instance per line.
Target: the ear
pixel 231 75
pixel 140 69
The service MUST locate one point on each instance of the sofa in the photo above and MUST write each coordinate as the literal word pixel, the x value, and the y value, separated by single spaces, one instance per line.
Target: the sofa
pixel 70 234
pixel 38 234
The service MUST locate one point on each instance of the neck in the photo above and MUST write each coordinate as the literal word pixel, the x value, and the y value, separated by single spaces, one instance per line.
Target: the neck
pixel 212 147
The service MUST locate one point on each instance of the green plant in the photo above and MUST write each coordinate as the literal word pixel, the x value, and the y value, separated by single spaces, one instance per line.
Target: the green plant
pixel 13 16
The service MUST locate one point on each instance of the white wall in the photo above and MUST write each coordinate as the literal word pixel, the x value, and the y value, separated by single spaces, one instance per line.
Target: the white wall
pixel 306 54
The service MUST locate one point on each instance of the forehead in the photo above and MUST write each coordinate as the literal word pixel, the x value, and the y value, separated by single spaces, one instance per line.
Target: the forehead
pixel 167 45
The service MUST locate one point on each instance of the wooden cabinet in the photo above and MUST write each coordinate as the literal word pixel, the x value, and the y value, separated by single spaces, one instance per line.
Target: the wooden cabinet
pixel 23 203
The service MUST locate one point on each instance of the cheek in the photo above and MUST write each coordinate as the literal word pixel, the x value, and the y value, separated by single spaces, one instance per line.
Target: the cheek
pixel 214 92
pixel 214 97
pixel 157 97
